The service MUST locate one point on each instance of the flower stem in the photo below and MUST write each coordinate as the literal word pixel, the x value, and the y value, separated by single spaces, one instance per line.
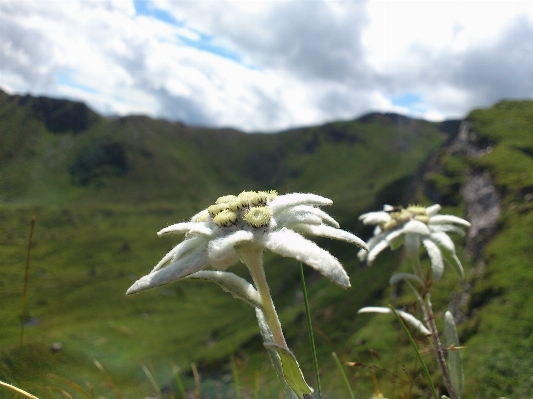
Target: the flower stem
pixel 429 317
pixel 253 259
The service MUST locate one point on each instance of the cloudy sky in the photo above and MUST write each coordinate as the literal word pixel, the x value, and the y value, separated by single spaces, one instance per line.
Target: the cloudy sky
pixel 269 65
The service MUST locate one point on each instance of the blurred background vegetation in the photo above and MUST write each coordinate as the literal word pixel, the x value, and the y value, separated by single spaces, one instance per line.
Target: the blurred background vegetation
pixel 102 187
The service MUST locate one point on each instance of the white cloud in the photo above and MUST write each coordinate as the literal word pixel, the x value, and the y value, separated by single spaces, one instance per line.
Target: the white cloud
pixel 269 65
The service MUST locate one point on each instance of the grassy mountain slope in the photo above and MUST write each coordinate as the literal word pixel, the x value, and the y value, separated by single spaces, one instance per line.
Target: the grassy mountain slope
pixel 103 187
pixel 492 156
pixel 102 192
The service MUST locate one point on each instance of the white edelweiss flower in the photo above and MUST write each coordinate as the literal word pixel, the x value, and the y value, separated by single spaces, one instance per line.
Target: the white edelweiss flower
pixel 409 227
pixel 219 235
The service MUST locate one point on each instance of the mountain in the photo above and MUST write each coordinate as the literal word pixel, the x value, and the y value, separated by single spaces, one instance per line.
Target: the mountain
pixel 101 188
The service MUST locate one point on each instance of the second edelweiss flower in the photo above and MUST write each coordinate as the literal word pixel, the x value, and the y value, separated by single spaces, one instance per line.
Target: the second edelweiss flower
pixel 411 226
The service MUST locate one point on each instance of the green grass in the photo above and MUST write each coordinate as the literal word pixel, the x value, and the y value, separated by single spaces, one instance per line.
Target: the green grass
pixel 91 241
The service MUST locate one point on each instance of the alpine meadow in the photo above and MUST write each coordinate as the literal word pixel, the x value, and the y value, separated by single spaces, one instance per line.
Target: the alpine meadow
pixel 100 188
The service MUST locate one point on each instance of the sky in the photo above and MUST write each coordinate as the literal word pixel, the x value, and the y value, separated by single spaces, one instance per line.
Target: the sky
pixel 266 66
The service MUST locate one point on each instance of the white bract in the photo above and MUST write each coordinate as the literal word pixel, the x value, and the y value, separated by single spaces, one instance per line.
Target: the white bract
pixel 410 227
pixel 218 235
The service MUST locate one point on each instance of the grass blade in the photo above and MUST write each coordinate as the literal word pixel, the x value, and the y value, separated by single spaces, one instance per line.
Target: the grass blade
pixel 72 384
pixel 179 382
pixel 235 378
pixel 196 380
pixel 17 390
pixel 311 336
pixel 343 373
pixel 25 290
pixel 152 380
pixel 417 351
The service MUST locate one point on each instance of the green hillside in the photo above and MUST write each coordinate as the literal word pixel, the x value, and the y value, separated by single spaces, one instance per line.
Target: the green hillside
pixel 101 188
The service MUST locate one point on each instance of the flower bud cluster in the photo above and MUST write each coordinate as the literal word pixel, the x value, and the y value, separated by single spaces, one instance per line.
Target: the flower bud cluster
pixel 400 216
pixel 249 207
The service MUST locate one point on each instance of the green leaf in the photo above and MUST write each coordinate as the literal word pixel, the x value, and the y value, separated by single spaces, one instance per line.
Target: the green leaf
pixel 291 370
pixel 455 361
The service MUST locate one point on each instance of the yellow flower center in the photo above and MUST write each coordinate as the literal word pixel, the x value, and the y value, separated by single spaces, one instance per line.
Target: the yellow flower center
pixel 248 206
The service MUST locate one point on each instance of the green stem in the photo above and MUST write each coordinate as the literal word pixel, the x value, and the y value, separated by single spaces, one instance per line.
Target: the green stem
pixel 413 344
pixel 253 259
pixel 339 365
pixel 429 317
pixel 310 329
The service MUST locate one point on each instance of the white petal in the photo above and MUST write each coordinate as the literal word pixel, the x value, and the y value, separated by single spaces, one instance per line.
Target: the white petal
pixel 416 227
pixel 375 217
pixel 394 235
pixel 222 250
pixel 362 254
pixel 318 212
pixel 433 210
pixel 201 213
pixel 238 287
pixel 187 227
pixel 411 243
pixel 447 228
pixel 448 250
pixel 287 243
pixel 375 250
pixel 193 262
pixel 437 264
pixel 331 232
pixel 409 318
pixel 442 240
pixel 289 200
pixel 291 217
pixel 181 249
pixel 445 219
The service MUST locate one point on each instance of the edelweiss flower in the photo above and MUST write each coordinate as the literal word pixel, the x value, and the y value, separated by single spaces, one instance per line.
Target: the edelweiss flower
pixel 239 228
pixel 235 226
pixel 410 226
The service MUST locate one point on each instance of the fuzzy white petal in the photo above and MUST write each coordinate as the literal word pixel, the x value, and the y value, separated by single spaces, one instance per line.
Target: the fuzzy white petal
pixel 433 210
pixel 287 243
pixel 201 213
pixel 409 318
pixel 375 250
pixel 446 219
pixel 193 262
pixel 447 228
pixel 331 232
pixel 362 254
pixel 294 217
pixel 186 227
pixel 416 227
pixel 375 217
pixel 222 251
pixel 290 200
pixel 393 235
pixel 411 244
pixel 238 287
pixel 435 256
pixel 181 249
pixel 318 212
pixel 442 240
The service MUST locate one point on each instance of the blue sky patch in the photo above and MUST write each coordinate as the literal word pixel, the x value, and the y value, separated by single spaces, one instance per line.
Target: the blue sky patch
pixel 205 43
pixel 64 78
pixel 146 8
pixel 408 100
